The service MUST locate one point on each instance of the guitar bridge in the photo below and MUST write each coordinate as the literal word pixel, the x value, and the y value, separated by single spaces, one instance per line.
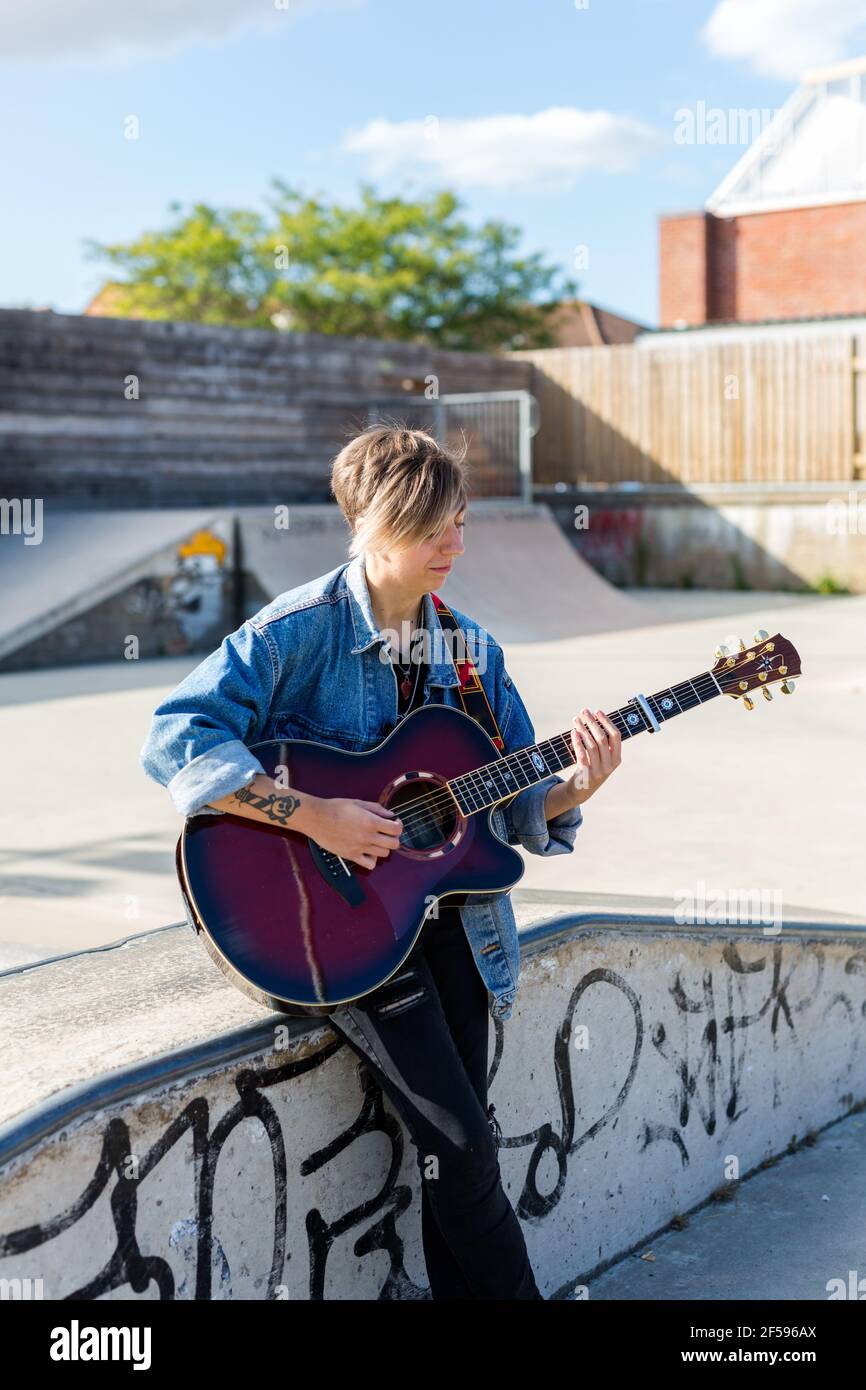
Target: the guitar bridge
pixel 337 874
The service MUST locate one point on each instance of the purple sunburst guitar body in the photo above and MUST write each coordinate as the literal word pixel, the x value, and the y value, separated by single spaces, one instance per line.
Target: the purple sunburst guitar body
pixel 302 931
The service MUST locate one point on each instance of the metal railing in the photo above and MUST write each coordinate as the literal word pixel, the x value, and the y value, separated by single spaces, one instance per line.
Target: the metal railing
pixel 498 427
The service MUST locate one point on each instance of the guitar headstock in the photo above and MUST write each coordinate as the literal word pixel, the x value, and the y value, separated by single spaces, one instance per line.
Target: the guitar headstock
pixel 765 662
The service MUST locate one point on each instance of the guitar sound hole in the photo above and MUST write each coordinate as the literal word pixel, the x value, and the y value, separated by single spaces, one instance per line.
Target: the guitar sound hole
pixel 428 813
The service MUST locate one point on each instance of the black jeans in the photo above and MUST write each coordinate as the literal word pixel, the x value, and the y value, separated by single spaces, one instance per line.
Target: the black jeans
pixel 423 1035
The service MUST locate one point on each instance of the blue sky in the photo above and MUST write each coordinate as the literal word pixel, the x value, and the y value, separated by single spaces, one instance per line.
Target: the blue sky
pixel 554 115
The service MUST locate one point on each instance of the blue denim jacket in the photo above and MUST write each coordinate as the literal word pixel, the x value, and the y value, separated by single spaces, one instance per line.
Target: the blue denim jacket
pixel 310 665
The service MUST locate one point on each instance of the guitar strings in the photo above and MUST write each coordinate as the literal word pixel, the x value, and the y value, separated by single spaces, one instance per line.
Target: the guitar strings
pixel 431 802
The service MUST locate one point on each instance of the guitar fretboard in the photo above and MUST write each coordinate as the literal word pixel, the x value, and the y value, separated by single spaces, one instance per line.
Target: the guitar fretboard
pixel 498 781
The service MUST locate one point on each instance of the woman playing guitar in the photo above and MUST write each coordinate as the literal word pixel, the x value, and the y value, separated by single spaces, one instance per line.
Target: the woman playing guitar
pixel 368 659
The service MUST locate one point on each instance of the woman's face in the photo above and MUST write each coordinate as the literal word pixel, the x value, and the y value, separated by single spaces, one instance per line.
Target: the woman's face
pixel 422 567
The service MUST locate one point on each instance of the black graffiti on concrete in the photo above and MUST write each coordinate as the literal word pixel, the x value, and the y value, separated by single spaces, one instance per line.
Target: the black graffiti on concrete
pixel 388 1203
pixel 128 1265
pixel 700 1060
pixel 717 1058
pixel 547 1141
pixel 714 1061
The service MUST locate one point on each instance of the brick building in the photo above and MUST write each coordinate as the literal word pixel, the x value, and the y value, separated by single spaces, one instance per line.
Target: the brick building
pixel 784 234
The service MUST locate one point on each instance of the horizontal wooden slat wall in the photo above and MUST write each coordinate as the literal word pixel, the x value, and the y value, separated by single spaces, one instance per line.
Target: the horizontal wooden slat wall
pixel 749 410
pixel 224 415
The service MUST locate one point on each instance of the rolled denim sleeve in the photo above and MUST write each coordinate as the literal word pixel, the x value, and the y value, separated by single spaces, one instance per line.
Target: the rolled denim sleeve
pixel 524 816
pixel 196 746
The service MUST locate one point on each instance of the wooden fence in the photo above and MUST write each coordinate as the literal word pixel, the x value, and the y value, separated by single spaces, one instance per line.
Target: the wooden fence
pixel 136 412
pixel 761 410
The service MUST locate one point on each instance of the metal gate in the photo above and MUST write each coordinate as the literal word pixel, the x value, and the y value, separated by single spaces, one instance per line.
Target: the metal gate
pixel 498 427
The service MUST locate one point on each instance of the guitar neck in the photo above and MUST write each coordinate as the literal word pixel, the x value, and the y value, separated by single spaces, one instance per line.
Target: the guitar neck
pixel 498 781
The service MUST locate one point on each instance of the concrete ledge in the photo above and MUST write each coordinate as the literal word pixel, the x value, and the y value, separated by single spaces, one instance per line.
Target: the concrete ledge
pixel 162 1136
pixel 696 494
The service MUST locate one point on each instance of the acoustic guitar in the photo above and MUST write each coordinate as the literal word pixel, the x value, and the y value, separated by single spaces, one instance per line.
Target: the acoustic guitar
pixel 302 931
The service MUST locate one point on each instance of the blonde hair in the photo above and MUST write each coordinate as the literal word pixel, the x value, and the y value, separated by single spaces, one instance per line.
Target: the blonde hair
pixel 396 485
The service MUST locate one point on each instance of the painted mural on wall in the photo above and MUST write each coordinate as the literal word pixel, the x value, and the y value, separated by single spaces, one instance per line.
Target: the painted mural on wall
pixel 187 603
pixel 196 588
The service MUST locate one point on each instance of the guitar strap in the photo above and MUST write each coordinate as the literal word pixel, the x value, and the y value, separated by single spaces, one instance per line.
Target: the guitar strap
pixel 472 695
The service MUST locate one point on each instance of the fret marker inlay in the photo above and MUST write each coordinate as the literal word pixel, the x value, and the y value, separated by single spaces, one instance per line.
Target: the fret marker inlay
pixel 513 772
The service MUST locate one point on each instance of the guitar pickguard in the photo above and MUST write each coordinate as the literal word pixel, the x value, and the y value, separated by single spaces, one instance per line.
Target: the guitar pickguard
pixel 337 873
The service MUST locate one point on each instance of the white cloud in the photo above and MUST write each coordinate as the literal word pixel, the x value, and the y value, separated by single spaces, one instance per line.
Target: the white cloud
pixel 120 31
pixel 783 38
pixel 546 151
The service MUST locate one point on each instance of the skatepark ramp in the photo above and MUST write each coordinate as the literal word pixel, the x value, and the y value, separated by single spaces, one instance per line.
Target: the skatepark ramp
pixel 520 576
pixel 176 581
pixel 96 579
pixel 169 1139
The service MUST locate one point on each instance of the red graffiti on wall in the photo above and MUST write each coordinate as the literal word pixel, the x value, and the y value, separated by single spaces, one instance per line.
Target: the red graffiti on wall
pixel 611 534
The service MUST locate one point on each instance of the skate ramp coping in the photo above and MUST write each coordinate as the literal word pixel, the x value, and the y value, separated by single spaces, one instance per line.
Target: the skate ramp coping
pixel 151 1107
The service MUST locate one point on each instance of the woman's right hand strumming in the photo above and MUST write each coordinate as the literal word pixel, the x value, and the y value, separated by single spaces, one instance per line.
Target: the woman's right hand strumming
pixel 361 831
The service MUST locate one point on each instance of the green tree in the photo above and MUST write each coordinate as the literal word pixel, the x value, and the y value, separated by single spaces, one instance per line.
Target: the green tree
pixel 385 268
pixel 206 267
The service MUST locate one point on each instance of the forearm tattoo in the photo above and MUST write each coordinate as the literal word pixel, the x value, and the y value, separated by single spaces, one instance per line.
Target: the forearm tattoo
pixel 276 808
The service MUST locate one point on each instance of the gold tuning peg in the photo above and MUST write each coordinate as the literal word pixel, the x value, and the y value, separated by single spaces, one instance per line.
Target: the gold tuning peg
pixel 722 650
pixel 760 636
pixel 742 645
pixel 788 687
pixel 750 704
pixel 767 694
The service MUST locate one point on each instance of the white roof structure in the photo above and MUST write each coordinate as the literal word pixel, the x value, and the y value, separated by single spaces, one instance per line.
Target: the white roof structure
pixel 812 151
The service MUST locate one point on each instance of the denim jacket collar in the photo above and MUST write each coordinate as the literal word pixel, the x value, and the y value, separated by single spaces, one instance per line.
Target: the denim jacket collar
pixel 441 670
